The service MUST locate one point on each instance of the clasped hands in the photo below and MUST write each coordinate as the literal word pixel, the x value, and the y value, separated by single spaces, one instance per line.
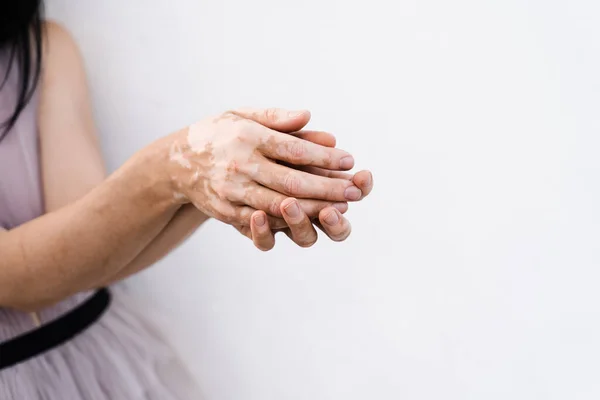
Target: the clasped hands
pixel 259 171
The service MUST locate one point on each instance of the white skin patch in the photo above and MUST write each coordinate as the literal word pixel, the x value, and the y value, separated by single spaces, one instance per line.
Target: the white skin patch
pixel 176 155
pixel 178 196
pixel 195 176
pixel 221 140
pixel 219 163
pixel 214 156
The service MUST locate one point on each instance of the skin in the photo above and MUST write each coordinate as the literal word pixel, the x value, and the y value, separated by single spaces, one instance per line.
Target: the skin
pixel 227 167
pixel 98 230
pixel 300 229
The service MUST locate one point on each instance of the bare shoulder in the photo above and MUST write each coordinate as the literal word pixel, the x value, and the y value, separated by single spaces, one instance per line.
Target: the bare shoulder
pixel 60 50
pixel 55 34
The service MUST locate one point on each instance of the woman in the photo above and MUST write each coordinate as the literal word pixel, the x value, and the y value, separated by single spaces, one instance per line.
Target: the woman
pixel 66 231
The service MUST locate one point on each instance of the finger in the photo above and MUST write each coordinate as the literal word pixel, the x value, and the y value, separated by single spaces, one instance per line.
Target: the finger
pixel 300 184
pixel 302 231
pixel 323 138
pixel 282 147
pixel 277 119
pixel 269 201
pixel 243 217
pixel 362 179
pixel 262 236
pixel 323 172
pixel 334 225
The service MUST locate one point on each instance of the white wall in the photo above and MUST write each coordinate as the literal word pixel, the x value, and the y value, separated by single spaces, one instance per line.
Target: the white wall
pixel 473 269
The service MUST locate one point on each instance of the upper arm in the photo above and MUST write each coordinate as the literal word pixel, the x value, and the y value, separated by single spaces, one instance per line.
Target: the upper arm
pixel 71 160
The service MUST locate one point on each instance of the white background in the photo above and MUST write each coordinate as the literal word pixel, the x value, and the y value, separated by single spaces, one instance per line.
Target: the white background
pixel 473 269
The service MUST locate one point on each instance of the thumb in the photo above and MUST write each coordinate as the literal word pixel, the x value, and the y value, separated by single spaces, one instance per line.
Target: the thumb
pixel 277 119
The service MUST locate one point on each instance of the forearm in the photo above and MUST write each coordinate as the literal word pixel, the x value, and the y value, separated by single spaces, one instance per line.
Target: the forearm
pixel 185 221
pixel 84 243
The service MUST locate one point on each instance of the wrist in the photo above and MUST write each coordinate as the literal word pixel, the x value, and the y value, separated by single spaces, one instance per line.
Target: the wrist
pixel 150 176
pixel 171 154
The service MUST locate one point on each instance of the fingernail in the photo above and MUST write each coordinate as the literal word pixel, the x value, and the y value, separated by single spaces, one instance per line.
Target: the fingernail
pixel 260 220
pixel 292 210
pixel 341 207
pixel 347 162
pixel 332 218
pixel 295 114
pixel 352 193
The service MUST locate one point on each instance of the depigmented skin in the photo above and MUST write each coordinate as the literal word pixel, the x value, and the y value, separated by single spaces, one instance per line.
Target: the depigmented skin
pixel 229 167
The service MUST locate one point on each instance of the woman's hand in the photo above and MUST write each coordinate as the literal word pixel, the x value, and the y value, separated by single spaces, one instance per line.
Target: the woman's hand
pixel 300 227
pixel 229 167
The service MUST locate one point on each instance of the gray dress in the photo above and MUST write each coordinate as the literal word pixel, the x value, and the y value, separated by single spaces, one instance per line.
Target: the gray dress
pixel 121 356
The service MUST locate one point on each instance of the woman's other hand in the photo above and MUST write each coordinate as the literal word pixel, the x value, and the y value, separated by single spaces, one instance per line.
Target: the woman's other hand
pixel 301 229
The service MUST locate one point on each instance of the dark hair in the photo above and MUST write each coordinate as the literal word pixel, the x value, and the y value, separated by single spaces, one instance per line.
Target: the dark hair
pixel 21 37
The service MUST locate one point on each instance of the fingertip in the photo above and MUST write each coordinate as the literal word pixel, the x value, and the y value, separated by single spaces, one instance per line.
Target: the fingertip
pixel 364 181
pixel 303 114
pixel 334 224
pixel 297 118
pixel 346 163
pixel 332 140
pixel 365 177
pixel 347 232
pixel 328 139
pixel 265 248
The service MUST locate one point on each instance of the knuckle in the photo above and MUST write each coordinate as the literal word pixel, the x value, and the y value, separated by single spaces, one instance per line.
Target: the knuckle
pixel 242 216
pixel 296 151
pixel 336 192
pixel 226 214
pixel 231 115
pixel 274 207
pixel 244 133
pixel 291 185
pixel 225 116
pixel 220 189
pixel 233 167
pixel 328 160
pixel 271 114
